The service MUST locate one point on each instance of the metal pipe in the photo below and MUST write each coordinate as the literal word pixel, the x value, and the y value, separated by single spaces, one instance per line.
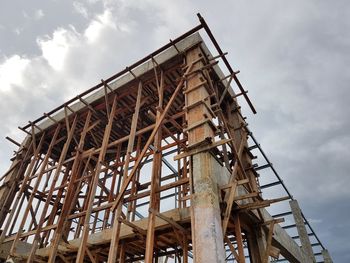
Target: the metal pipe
pixel 212 38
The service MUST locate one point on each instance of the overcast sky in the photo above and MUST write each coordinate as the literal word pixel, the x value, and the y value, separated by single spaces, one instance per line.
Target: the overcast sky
pixel 293 57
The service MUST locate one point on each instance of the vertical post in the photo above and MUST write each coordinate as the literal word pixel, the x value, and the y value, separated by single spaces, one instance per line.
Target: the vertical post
pixel 10 186
pixel 207 234
pixel 113 251
pixel 326 257
pixel 94 183
pixel 239 238
pixel 304 237
pixel 255 252
pixel 155 180
pixel 63 154
pixel 70 193
pixel 35 188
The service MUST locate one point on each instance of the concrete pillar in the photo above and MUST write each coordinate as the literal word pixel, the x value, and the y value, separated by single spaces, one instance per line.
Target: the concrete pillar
pixel 326 257
pixel 303 235
pixel 206 220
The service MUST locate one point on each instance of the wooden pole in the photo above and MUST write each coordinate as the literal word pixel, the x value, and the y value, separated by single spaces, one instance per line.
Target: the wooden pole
pixel 49 196
pixel 113 251
pixel 107 132
pixel 155 180
pixel 37 183
pixel 149 141
pixel 70 193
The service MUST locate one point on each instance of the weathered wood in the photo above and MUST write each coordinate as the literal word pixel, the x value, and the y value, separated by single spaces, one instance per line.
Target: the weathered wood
pixel 24 218
pixel 74 194
pixel 232 248
pixel 155 179
pixel 67 205
pixel 150 139
pixel 113 251
pixel 239 239
pixel 107 132
pixel 7 192
pixel 201 149
pixel 49 196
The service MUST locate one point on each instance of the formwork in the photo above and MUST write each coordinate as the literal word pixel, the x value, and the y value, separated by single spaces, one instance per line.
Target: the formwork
pixel 154 164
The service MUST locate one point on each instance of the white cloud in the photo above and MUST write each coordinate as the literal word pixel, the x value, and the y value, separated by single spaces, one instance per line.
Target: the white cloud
pixel 39 14
pixel 11 72
pixel 54 49
pixel 270 46
pixel 98 24
pixel 80 9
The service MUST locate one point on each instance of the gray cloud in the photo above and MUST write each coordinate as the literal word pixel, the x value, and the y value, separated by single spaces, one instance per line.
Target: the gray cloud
pixel 293 58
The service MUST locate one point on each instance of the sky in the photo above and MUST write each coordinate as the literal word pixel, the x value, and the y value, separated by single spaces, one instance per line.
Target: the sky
pixel 293 57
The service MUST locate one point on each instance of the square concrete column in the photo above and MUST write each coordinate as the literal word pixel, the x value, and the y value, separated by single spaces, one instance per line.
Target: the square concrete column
pixel 207 234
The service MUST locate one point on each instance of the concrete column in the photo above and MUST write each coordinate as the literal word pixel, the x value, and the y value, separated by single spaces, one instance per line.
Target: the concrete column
pixel 304 237
pixel 207 228
pixel 326 257
pixel 206 220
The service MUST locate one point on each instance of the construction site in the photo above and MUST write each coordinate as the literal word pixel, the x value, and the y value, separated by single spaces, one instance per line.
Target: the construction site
pixel 154 164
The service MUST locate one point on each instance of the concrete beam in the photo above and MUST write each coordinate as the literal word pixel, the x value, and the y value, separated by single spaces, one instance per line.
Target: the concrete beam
pixel 326 257
pixel 161 58
pixel 289 248
pixel 280 239
pixel 103 237
pixel 301 228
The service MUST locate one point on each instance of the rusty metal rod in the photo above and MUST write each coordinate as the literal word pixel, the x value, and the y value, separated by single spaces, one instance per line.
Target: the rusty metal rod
pixel 212 38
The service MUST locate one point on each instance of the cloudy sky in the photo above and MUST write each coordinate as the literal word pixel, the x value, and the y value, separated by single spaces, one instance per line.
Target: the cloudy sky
pixel 293 57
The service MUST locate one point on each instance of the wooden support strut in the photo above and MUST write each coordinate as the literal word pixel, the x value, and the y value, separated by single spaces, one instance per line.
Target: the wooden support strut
pixel 49 196
pixel 36 186
pixel 107 132
pixel 155 180
pixel 22 189
pixel 229 197
pixel 232 248
pixel 70 193
pixel 113 252
pixel 239 239
pixel 150 139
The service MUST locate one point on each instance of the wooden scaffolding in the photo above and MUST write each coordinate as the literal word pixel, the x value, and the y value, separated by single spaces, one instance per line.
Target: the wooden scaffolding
pixel 150 165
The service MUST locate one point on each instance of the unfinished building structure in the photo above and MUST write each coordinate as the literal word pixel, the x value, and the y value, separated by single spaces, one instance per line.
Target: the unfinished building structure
pixel 150 165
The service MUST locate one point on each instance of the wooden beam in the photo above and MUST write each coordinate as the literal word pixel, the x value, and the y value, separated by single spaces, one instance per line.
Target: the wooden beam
pixel 49 196
pixel 113 251
pixel 36 186
pixel 150 139
pixel 107 132
pixel 68 202
pixel 239 239
pixel 155 180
